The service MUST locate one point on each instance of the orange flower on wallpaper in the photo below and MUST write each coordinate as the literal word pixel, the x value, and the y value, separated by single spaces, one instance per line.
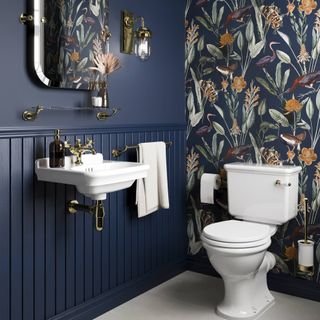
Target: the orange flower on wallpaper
pixel 75 56
pixel 291 252
pixel 224 85
pixel 226 39
pixel 293 105
pixel 307 6
pixel 290 7
pixel 239 84
pixel 308 156
pixel 291 155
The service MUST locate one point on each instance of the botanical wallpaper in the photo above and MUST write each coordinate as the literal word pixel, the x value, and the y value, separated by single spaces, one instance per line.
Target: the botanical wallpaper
pixel 75 29
pixel 252 90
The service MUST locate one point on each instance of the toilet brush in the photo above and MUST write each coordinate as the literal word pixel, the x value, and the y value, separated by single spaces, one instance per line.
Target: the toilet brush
pixel 306 247
pixel 305 210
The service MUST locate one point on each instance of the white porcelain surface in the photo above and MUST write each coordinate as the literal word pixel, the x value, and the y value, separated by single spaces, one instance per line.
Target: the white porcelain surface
pixel 243 271
pixel 194 296
pixel 263 196
pixel 253 194
pixel 96 177
pixel 237 231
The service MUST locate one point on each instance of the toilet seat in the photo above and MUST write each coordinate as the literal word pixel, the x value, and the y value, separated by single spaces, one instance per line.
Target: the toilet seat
pixel 240 245
pixel 237 234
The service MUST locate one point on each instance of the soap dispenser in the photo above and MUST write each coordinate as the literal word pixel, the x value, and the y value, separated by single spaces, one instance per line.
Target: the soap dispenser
pixel 56 151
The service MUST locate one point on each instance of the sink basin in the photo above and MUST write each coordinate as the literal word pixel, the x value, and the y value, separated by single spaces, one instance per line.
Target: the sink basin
pixel 96 177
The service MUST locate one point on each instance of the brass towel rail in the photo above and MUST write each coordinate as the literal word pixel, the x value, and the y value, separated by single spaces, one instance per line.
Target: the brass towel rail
pixel 116 153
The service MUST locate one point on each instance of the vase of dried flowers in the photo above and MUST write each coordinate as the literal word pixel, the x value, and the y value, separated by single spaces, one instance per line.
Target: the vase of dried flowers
pixel 105 64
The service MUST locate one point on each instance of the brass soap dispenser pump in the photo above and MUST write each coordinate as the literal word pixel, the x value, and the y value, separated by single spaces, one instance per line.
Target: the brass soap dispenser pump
pixel 56 151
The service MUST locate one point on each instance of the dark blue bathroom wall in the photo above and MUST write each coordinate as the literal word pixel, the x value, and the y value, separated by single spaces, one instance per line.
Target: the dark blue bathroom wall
pixel 54 265
pixel 147 93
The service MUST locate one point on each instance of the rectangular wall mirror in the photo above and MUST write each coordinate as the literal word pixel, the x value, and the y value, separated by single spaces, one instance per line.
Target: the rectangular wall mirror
pixel 68 33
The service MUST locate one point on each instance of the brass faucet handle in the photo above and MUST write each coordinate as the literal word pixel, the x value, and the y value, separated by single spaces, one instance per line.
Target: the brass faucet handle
pixel 90 142
pixel 78 143
pixel 67 144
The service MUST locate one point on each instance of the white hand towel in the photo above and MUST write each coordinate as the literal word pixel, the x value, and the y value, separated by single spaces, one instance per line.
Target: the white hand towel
pixel 152 191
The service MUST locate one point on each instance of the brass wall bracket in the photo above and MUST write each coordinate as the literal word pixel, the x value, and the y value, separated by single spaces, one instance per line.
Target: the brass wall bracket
pixel 103 115
pixel 26 18
pixel 97 210
pixel 116 153
pixel 31 115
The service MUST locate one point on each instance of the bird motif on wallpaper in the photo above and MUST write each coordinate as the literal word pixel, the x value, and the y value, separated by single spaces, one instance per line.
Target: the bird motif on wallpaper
pixel 227 71
pixel 293 141
pixel 264 61
pixel 238 15
pixel 238 152
pixel 201 2
pixel 305 81
pixel 204 130
pixel 70 41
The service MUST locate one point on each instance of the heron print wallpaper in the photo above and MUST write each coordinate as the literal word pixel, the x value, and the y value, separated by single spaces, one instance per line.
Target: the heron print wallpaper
pixel 253 95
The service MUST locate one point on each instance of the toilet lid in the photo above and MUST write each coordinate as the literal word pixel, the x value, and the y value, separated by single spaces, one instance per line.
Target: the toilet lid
pixel 234 231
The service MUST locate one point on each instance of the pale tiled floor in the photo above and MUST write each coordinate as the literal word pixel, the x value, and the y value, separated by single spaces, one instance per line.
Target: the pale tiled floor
pixel 193 296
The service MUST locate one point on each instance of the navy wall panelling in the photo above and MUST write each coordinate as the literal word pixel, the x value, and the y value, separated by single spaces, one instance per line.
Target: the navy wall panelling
pixel 53 263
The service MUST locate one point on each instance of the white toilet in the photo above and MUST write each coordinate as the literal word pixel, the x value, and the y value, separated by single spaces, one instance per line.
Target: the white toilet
pixel 263 197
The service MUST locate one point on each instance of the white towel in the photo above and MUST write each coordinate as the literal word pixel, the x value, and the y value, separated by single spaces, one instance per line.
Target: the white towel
pixel 152 191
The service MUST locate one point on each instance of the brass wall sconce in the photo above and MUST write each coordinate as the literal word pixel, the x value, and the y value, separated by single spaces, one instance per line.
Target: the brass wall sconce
pixel 135 41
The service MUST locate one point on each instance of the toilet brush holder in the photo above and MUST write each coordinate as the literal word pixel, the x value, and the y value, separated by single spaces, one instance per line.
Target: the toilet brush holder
pixel 305 256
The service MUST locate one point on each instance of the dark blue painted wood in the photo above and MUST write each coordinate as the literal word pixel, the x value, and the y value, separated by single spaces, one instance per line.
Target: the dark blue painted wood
pixel 39 238
pixel 5 220
pixel 60 248
pixel 16 229
pixel 53 262
pixel 28 228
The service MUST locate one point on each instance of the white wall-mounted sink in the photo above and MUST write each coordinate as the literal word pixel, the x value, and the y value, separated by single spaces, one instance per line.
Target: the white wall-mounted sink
pixel 96 177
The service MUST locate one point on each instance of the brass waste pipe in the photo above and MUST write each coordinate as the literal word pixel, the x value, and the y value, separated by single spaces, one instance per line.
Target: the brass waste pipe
pixel 73 207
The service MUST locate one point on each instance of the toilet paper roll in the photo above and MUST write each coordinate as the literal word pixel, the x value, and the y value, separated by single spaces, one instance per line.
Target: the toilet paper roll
pixel 209 182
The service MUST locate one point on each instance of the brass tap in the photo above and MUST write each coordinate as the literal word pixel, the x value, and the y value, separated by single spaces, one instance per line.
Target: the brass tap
pixel 78 149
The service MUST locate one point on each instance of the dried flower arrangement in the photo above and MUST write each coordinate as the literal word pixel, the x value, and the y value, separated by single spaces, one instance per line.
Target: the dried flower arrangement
pixel 105 64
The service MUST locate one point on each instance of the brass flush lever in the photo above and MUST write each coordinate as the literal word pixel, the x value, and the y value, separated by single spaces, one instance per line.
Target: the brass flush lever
pixel 283 184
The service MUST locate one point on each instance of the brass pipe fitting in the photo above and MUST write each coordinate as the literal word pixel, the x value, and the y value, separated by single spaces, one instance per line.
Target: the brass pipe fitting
pixel 97 210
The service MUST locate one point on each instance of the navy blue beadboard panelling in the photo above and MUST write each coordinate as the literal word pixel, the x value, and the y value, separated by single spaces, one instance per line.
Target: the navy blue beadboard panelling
pixel 56 266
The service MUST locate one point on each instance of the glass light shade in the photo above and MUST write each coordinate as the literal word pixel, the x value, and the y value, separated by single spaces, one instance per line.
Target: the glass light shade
pixel 142 48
